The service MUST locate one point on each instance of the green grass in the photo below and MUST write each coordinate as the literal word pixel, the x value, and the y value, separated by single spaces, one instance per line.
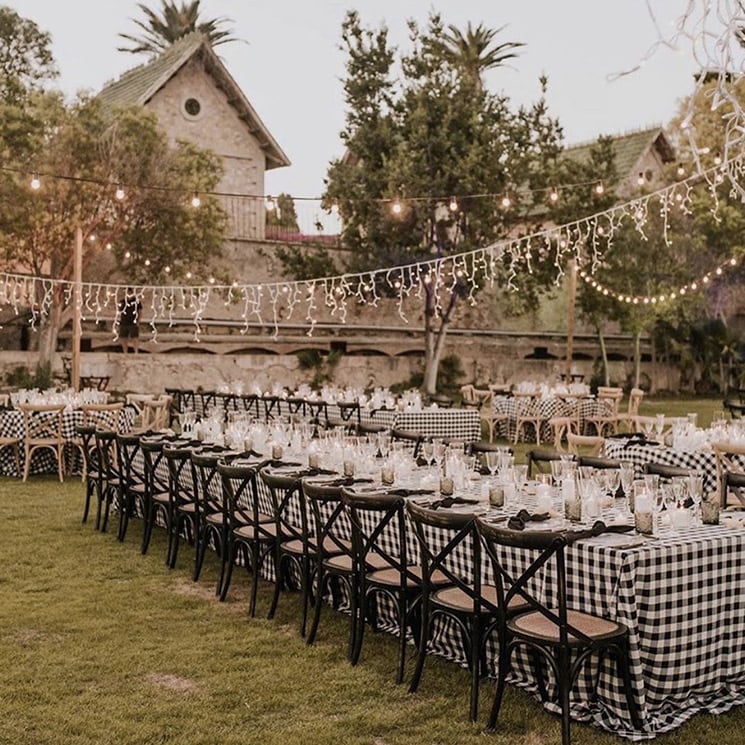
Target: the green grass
pixel 99 644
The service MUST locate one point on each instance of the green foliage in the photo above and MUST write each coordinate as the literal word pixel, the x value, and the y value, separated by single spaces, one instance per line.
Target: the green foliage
pixel 448 381
pixel 159 29
pixel 321 364
pixel 284 214
pixel 22 377
pixel 26 60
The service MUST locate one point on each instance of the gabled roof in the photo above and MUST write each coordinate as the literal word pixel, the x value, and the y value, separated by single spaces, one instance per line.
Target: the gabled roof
pixel 139 85
pixel 628 148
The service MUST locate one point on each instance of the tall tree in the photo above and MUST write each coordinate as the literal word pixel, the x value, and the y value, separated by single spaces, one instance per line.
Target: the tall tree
pixel 160 28
pixel 82 151
pixel 475 52
pixel 432 134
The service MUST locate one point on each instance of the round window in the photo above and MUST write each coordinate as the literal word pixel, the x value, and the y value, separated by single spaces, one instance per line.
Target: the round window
pixel 192 107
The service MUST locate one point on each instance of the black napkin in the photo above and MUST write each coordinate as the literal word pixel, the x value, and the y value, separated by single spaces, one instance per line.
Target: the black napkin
pixel 347 481
pixel 519 521
pixel 450 501
pixel 640 440
pixel 302 472
pixel 399 492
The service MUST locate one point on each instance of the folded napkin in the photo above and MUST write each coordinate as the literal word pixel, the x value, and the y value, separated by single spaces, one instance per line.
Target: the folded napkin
pixel 519 521
pixel 409 492
pixel 641 440
pixel 347 481
pixel 301 472
pixel 446 502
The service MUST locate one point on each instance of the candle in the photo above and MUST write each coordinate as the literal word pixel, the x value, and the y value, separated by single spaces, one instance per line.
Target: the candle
pixel 643 517
pixel 276 452
pixel 496 495
pixel 349 468
pixel 446 486
pixel 387 474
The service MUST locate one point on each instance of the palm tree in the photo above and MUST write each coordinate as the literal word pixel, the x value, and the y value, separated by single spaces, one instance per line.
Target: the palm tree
pixel 474 53
pixel 161 28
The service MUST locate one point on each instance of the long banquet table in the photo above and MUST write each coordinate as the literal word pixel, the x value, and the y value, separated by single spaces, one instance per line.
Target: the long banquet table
pixel 681 594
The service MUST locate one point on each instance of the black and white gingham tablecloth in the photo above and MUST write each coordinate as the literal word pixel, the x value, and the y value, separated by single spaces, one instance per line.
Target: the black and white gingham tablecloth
pixel 682 596
pixel 697 460
pixel 43 461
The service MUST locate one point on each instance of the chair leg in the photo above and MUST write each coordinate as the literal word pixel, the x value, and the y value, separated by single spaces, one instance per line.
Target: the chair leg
pixel 255 554
pixel 225 582
pixel 503 661
pixel 422 650
pixel 475 642
pixel 279 567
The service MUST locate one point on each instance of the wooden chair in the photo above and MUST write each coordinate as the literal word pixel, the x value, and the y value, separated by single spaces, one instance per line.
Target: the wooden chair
pixel 564 638
pixel 561 425
pixel 528 411
pixel 585 444
pixel 730 459
pixel 606 418
pixel 156 413
pixel 13 442
pixel 98 416
pixel 627 419
pixel 42 430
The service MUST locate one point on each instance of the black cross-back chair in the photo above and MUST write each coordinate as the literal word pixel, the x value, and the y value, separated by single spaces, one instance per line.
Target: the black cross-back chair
pixel 351 415
pixel 378 520
pixel 318 414
pixel 666 472
pixel 333 564
pixel 184 506
pixel 133 487
pixel 414 439
pixel 212 525
pixel 566 639
pixel 109 485
pixel 273 406
pixel 91 481
pixel 448 540
pixel 157 497
pixel 539 460
pixel 293 548
pixel 597 461
pixel 250 530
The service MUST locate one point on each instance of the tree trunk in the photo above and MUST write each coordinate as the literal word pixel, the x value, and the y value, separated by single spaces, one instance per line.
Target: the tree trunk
pixel 49 328
pixel 603 355
pixel 637 358
pixel 434 336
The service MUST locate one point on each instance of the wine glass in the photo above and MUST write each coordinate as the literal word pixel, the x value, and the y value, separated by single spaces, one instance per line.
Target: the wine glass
pixel 659 427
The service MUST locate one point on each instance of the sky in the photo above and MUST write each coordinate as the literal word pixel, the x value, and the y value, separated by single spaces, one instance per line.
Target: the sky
pixel 292 66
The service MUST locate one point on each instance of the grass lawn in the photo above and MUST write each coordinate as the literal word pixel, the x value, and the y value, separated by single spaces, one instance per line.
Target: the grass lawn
pixel 102 645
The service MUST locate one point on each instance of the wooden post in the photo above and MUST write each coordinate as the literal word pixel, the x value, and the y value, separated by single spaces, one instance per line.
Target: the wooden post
pixel 76 302
pixel 571 313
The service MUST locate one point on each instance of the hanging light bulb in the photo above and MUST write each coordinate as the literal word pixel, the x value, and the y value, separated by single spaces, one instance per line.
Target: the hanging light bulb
pixel 506 202
pixel 167 269
pixel 35 182
pixel 717 159
pixel 553 195
pixel 188 275
pixel 119 193
pixel 270 204
pixel 599 188
pixel 396 206
pixel 195 200
pixel 127 255
pixel 640 179
pixel 680 170
pixel 453 204
pixel 147 262
pixel 334 207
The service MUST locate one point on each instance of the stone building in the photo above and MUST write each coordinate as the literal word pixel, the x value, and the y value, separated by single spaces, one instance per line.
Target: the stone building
pixel 196 99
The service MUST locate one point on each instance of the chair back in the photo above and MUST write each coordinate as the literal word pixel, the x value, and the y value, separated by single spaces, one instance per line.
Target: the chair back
pixel 524 576
pixel 288 504
pixel 468 397
pixel 241 494
pixel 596 461
pixel 128 447
pixel 730 460
pixel 666 472
pixel 379 529
pixel 180 476
pixel 330 525
pixel 137 399
pixel 107 454
pixel 42 423
pixel 590 444
pixel 539 461
pixel 448 541
pixel 105 416
pixel 155 470
pixel 411 438
pixel 206 480
pixel 635 399
pixel 273 406
pixel 156 413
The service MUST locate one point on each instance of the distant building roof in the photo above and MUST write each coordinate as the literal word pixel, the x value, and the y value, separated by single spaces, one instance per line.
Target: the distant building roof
pixel 628 148
pixel 139 85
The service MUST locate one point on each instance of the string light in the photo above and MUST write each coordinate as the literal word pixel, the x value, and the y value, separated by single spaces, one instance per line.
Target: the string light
pixel 640 180
pixel 396 207
pixel 270 204
pixel 553 195
pixel 335 207
pixel 453 204
pixel 35 182
pixel 195 200
pixel 506 202
pixel 119 193
pixel 599 188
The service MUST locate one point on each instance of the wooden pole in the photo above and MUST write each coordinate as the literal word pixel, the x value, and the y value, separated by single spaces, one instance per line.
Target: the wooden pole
pixel 76 302
pixel 571 315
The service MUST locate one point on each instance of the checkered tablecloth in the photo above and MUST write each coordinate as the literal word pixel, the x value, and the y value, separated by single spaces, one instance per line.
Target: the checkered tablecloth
pixel 43 461
pixel 640 455
pixel 682 596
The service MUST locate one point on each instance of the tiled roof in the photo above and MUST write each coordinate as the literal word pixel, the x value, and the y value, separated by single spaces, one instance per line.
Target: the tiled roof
pixel 139 85
pixel 627 149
